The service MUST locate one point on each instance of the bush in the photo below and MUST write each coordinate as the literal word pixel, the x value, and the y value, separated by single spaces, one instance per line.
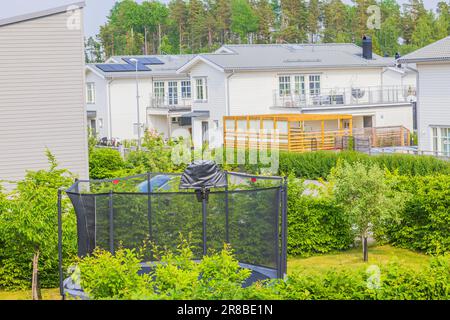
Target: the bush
pixel 218 276
pixel 105 163
pixel 424 223
pixel 315 224
pixel 28 224
pixel 316 165
pixel 176 277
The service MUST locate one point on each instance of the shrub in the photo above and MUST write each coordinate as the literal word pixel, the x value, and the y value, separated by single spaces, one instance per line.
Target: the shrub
pixel 28 228
pixel 316 165
pixel 105 163
pixel 218 276
pixel 424 223
pixel 315 224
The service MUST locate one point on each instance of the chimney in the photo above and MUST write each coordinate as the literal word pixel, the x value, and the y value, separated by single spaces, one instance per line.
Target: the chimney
pixel 367 47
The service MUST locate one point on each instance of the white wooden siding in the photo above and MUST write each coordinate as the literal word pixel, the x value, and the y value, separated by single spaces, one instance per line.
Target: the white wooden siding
pixel 42 97
pixel 433 103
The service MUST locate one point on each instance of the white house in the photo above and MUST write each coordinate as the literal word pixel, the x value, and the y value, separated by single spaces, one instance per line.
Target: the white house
pixel 42 102
pixel 299 78
pixel 164 95
pixel 433 99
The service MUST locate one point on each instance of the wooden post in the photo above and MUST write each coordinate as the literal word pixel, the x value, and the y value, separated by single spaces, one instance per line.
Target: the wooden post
pixel 374 137
pixel 289 134
pixel 402 137
pixel 225 133
pixel 323 133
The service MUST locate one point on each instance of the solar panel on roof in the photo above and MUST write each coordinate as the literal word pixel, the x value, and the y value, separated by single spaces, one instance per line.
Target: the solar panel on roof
pixel 121 67
pixel 144 61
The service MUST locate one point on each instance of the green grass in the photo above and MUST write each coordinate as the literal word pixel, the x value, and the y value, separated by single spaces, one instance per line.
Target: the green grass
pixel 352 259
pixel 47 294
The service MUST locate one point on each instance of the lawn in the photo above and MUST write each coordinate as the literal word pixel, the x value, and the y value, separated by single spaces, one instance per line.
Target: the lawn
pixel 47 294
pixel 351 259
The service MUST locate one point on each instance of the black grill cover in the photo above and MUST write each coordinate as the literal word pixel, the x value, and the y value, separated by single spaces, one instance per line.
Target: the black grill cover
pixel 203 174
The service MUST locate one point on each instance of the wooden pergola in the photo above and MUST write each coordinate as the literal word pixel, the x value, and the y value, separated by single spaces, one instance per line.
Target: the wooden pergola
pixel 290 132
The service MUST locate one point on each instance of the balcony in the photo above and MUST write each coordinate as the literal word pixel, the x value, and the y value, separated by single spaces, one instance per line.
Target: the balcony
pixel 336 97
pixel 169 103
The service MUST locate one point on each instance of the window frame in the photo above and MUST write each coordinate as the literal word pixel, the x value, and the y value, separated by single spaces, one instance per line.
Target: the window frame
pixel 204 89
pixel 90 93
pixel 186 89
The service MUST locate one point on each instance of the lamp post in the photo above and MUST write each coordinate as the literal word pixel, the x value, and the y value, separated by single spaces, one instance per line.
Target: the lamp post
pixel 135 61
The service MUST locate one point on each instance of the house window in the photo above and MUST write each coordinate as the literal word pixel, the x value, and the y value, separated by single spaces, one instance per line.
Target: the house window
pixel 441 140
pixel 299 85
pixel 159 90
pixel 314 85
pixel 284 85
pixel 173 92
pixel 186 89
pixel 90 92
pixel 201 89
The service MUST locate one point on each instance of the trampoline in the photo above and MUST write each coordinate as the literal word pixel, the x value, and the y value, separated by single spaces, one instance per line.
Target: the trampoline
pixel 207 204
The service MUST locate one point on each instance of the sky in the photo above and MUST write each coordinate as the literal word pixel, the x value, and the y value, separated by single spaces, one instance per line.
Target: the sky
pixel 96 11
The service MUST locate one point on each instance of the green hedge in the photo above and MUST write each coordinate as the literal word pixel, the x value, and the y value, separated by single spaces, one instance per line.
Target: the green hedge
pixel 218 276
pixel 315 165
pixel 390 282
pixel 315 224
pixel 424 223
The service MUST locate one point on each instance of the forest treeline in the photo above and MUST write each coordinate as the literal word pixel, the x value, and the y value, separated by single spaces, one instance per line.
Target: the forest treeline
pixel 192 26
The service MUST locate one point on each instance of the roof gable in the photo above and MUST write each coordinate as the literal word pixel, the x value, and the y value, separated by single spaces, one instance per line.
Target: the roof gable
pixel 437 51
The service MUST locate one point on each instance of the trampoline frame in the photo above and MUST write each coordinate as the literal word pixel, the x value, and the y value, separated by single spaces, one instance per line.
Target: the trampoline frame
pixel 281 217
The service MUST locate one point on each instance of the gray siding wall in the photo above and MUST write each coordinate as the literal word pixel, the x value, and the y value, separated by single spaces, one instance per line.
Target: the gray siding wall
pixel 101 103
pixel 42 96
pixel 433 103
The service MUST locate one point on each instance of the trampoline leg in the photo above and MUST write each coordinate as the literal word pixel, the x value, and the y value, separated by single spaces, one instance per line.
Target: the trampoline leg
pixel 61 280
pixel 204 224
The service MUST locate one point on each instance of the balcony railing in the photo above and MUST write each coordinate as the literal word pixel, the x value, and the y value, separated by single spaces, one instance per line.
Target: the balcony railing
pixel 169 102
pixel 350 96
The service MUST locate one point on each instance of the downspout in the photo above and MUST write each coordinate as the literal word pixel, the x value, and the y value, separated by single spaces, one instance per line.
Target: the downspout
pixel 228 92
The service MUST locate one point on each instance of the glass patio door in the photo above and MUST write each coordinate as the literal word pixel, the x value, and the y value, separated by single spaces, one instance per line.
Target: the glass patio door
pixel 173 93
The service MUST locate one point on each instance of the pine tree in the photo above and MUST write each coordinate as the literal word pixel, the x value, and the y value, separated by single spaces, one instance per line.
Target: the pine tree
pixel 294 17
pixel 196 24
pixel 266 20
pixel 314 19
pixel 443 21
pixel 179 14
pixel 335 21
pixel 223 19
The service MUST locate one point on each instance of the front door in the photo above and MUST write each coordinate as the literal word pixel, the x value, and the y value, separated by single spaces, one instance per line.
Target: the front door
pixel 93 127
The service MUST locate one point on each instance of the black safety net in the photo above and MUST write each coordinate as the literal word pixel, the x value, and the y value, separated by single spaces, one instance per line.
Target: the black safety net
pixel 246 212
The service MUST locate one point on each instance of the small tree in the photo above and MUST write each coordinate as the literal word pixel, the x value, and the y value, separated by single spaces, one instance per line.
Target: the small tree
pixel 28 219
pixel 365 196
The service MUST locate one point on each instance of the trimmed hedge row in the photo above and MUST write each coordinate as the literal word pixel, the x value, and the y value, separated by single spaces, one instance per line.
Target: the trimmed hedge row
pixel 424 223
pixel 315 224
pixel 390 282
pixel 317 165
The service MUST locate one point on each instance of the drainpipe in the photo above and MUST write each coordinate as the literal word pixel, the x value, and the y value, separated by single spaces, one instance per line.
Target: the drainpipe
pixel 228 92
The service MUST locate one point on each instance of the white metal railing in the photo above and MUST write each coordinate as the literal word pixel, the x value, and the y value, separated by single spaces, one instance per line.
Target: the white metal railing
pixel 345 96
pixel 170 102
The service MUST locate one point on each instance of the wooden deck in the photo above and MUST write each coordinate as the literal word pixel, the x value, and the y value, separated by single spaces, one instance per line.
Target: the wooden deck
pixel 289 132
